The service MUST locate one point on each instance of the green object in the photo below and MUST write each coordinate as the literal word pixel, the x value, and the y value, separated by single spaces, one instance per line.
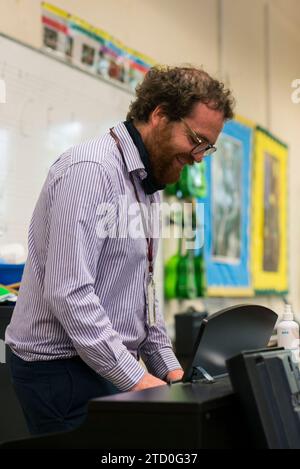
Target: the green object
pixel 171 189
pixel 6 295
pixel 171 266
pixel 186 287
pixel 4 291
pixel 171 277
pixel 192 181
pixel 184 276
pixel 200 275
pixel 184 182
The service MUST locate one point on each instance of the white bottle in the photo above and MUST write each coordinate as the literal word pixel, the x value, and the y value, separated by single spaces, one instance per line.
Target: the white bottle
pixel 288 333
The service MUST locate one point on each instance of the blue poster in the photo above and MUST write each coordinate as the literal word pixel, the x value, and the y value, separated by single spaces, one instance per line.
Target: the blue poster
pixel 227 213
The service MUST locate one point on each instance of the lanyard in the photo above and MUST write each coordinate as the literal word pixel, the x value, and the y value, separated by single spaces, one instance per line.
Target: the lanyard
pixel 148 239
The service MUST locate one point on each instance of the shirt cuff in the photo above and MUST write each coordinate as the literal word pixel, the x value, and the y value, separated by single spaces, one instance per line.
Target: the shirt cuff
pixel 161 362
pixel 126 373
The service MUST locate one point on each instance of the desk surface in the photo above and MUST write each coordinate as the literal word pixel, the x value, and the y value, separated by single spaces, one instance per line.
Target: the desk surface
pixel 181 395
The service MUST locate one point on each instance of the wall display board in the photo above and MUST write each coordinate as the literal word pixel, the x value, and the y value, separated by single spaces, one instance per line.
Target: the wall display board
pixel 227 213
pixel 76 41
pixel 269 227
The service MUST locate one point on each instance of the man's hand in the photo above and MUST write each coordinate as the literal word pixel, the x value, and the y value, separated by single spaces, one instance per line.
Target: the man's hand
pixel 174 375
pixel 148 381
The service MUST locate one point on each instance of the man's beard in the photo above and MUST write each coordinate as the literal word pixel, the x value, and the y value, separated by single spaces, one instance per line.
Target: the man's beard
pixel 163 155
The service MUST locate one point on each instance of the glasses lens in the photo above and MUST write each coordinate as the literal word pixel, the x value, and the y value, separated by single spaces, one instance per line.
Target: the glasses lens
pixel 199 148
pixel 210 151
pixel 202 148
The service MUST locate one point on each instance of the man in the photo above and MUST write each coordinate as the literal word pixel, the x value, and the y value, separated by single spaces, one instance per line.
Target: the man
pixel 87 309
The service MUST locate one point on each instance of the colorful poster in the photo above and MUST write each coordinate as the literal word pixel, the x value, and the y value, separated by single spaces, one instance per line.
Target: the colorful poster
pixel 226 201
pixel 76 41
pixel 270 265
pixel 227 213
pixel 56 31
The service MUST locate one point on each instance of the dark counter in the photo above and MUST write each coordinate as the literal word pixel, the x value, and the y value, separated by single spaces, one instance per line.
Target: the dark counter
pixel 184 416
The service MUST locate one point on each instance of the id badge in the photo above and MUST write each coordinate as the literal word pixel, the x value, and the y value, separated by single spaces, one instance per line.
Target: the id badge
pixel 151 303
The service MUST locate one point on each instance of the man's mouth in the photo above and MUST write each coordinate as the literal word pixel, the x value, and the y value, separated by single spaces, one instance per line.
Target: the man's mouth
pixel 181 161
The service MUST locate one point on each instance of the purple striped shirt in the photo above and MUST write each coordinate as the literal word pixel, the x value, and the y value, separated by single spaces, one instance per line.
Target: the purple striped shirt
pixel 83 294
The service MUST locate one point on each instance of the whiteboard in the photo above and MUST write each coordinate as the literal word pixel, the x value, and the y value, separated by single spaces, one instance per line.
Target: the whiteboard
pixel 50 106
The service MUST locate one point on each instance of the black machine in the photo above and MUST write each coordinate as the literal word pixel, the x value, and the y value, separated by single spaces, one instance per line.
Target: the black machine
pixel 267 383
pixel 187 326
pixel 224 335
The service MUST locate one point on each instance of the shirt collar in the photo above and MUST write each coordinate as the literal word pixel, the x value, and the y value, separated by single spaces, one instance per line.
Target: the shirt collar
pixel 149 183
pixel 132 157
pixel 136 156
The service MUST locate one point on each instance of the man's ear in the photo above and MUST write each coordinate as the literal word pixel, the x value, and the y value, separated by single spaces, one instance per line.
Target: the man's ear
pixel 157 116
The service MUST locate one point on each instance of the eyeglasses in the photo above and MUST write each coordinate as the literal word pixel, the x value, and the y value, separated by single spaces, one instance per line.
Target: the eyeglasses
pixel 203 146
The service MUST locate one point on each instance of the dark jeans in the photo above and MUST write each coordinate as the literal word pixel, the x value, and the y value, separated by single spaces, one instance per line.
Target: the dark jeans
pixel 54 394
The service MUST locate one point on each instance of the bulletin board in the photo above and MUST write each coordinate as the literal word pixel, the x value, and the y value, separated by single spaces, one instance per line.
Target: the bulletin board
pixel 269 228
pixel 76 41
pixel 227 213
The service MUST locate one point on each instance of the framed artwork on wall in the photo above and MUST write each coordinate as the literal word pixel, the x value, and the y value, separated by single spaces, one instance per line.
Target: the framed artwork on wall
pixel 227 213
pixel 269 228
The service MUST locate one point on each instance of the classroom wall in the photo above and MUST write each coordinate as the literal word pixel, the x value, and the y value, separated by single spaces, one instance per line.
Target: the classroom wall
pixel 253 45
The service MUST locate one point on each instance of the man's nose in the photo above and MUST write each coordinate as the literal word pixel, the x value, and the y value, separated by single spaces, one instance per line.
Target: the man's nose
pixel 198 158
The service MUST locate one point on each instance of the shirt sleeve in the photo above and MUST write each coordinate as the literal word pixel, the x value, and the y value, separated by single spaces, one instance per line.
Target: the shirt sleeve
pixel 157 352
pixel 74 255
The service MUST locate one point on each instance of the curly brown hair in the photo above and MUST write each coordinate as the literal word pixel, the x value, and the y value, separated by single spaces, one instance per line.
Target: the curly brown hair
pixel 177 90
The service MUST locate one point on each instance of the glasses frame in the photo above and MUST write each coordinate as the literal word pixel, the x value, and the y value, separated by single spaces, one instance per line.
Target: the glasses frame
pixel 200 143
